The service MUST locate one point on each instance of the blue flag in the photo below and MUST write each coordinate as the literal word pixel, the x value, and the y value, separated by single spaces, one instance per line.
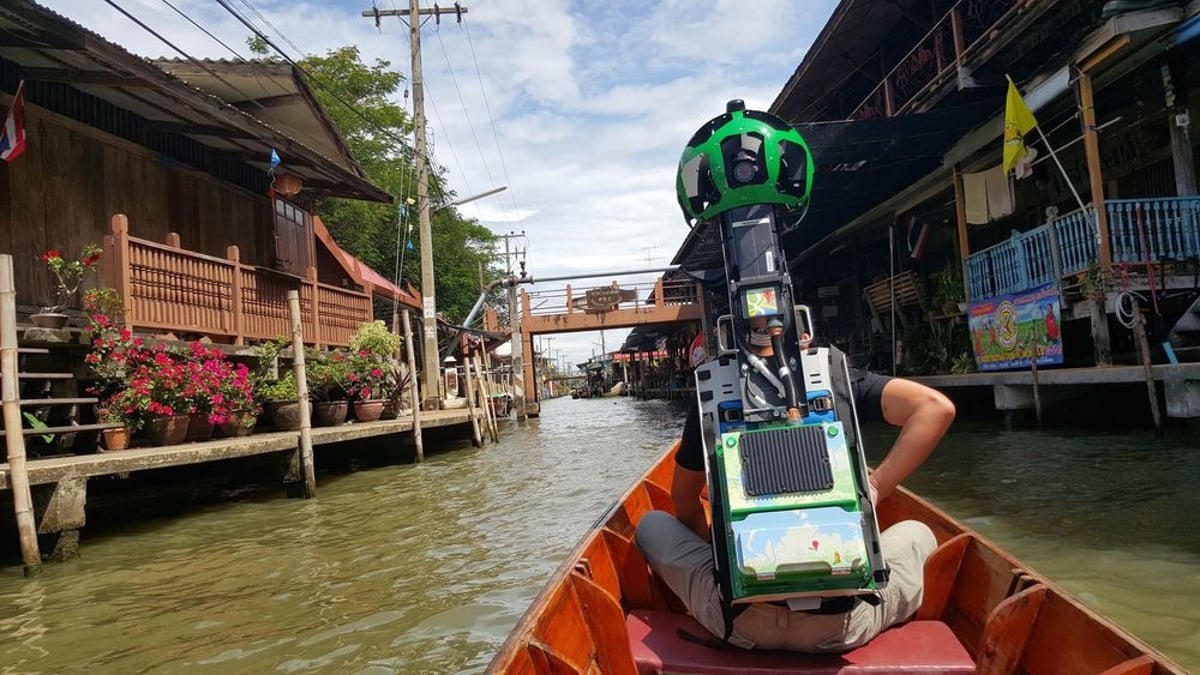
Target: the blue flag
pixel 274 158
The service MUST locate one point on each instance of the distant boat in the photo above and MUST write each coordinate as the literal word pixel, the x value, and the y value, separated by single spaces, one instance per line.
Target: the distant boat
pixel 983 611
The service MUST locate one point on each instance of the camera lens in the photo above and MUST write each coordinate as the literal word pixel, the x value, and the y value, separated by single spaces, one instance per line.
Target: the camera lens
pixel 743 171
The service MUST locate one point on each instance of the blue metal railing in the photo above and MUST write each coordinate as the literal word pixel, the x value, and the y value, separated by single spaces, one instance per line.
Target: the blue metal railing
pixel 1139 229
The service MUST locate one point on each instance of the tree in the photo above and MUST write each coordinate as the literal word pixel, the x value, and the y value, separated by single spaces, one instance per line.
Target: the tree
pixel 376 130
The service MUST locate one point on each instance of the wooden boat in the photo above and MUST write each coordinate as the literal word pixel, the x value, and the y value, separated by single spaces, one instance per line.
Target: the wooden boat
pixel 983 611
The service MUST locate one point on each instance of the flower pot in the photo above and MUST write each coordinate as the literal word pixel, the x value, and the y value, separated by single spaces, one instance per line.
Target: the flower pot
pixel 285 415
pixel 391 409
pixel 368 411
pixel 241 422
pixel 199 427
pixel 116 439
pixel 166 430
pixel 330 413
pixel 49 319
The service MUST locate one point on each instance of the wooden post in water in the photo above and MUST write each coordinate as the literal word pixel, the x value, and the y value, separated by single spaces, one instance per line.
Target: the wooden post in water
pixel 1037 395
pixel 14 438
pixel 306 450
pixel 1139 332
pixel 412 386
pixel 486 392
pixel 476 436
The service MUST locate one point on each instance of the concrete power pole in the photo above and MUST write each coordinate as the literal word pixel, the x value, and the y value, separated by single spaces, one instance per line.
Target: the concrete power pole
pixel 432 368
pixel 514 320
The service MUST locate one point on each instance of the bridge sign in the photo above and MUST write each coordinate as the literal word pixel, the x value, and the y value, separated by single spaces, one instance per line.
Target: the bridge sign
pixel 603 299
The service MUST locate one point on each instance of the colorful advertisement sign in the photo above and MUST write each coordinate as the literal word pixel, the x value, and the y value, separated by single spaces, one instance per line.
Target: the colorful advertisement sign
pixel 1005 329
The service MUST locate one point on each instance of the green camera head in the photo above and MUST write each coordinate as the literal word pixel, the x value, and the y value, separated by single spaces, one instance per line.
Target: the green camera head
pixel 740 158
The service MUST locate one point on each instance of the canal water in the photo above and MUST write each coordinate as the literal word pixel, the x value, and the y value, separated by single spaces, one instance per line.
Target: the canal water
pixel 425 568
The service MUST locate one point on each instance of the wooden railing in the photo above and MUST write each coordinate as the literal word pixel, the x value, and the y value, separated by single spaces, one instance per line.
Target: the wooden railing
pixel 166 288
pixel 937 57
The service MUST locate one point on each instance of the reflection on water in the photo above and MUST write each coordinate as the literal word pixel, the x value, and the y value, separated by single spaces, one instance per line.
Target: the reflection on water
pixel 424 568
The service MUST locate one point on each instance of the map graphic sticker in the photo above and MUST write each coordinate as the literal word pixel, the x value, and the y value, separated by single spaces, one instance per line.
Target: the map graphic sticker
pixel 761 302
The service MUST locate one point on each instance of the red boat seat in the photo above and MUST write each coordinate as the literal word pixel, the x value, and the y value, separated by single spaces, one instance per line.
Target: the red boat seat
pixel 915 647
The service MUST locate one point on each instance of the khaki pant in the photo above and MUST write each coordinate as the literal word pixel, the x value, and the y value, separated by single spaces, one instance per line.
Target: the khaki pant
pixel 684 562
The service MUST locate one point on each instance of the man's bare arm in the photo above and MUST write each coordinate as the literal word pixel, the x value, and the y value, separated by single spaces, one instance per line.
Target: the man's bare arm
pixel 924 415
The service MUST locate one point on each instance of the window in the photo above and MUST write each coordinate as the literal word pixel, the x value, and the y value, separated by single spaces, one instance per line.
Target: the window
pixel 293 238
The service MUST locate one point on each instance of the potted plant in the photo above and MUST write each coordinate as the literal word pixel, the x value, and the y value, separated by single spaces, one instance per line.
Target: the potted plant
pixel 66 276
pixel 328 381
pixel 283 401
pixel 207 371
pixel 950 290
pixel 374 374
pixel 116 438
pixel 155 395
pixel 234 408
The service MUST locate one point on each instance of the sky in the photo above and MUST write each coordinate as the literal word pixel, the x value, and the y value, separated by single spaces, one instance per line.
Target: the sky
pixel 580 109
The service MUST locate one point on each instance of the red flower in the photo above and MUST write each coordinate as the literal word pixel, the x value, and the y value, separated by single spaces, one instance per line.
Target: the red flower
pixel 52 254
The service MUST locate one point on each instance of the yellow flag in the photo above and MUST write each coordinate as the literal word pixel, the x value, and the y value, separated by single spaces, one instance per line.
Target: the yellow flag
pixel 1018 121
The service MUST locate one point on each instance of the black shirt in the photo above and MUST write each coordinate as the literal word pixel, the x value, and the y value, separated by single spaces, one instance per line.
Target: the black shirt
pixel 867 388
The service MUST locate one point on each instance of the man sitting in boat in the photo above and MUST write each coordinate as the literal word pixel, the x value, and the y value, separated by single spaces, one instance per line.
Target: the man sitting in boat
pixel 679 551
pixel 748 173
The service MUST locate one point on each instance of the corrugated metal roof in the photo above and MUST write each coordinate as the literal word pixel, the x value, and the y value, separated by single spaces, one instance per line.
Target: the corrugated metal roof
pixel 73 56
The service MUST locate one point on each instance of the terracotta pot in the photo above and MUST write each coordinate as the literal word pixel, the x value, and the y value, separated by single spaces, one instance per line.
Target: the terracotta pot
pixel 241 422
pixel 49 319
pixel 285 415
pixel 162 431
pixel 330 413
pixel 116 439
pixel 199 427
pixel 368 411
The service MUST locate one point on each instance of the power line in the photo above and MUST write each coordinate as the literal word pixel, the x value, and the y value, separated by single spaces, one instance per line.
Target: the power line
pixel 349 106
pixel 492 120
pixel 172 45
pixel 466 109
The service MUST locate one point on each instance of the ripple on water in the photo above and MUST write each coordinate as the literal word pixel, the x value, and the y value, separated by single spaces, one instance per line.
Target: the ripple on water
pixel 425 568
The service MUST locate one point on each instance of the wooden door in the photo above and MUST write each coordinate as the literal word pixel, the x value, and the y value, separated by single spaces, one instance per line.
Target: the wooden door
pixel 293 235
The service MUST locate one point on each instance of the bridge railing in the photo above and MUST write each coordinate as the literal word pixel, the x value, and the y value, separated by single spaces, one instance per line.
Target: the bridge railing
pixel 570 299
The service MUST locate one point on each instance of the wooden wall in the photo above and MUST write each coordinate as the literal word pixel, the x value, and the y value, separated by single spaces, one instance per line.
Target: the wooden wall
pixel 63 190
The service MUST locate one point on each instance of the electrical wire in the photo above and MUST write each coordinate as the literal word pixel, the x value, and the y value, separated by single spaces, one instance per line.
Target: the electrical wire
pixel 1128 318
pixel 491 118
pixel 172 45
pixel 321 84
pixel 466 109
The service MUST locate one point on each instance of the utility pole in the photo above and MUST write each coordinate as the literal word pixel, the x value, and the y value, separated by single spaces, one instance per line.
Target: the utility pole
pixel 514 320
pixel 429 351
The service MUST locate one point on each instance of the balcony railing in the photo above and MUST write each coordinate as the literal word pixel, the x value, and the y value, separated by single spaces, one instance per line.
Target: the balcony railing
pixel 167 288
pixel 1140 230
pixel 935 59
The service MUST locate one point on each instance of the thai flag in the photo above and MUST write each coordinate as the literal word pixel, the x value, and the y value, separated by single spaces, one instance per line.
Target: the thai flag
pixel 917 236
pixel 12 138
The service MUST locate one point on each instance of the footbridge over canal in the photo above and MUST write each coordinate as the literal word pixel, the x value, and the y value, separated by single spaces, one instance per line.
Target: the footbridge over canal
pixel 582 307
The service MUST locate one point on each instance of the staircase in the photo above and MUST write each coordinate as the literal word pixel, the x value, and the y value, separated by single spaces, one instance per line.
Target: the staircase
pixel 59 414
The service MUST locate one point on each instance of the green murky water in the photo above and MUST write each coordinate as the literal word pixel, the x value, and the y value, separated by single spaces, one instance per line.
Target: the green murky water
pixel 424 568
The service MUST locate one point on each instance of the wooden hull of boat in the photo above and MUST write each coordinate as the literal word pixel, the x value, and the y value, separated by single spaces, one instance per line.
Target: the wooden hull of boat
pixel 983 611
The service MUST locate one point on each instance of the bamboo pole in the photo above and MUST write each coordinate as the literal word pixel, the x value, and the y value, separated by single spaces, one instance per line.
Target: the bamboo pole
pixel 306 449
pixel 412 385
pixel 486 388
pixel 476 436
pixel 14 438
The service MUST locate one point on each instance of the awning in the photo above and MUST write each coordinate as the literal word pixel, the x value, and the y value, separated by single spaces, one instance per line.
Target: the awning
pixel 859 164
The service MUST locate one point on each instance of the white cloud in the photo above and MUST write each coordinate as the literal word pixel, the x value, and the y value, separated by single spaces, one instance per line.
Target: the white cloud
pixel 590 103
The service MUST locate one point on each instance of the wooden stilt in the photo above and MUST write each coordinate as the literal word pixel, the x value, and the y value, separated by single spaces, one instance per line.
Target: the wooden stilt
pixel 306 449
pixel 1139 332
pixel 14 438
pixel 1037 394
pixel 412 384
pixel 476 436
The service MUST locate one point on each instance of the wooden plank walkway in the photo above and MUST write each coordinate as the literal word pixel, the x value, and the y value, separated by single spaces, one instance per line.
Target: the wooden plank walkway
pixel 54 469
pixel 1052 376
